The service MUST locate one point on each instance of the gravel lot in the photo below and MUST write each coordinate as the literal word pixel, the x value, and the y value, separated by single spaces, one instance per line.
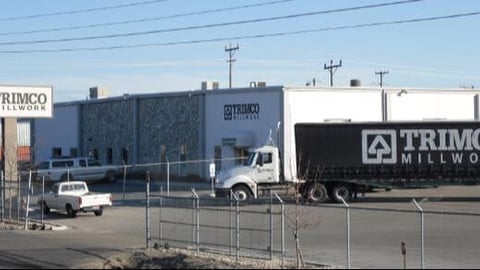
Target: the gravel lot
pixel 175 258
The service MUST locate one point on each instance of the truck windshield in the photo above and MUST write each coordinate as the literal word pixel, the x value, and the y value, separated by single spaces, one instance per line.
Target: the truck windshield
pixel 250 159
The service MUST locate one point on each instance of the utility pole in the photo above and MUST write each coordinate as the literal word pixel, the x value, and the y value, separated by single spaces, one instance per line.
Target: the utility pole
pixel 381 74
pixel 332 69
pixel 231 51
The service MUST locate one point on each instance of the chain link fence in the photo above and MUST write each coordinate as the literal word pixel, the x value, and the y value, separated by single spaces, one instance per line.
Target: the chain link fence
pixel 15 198
pixel 324 235
pixel 221 225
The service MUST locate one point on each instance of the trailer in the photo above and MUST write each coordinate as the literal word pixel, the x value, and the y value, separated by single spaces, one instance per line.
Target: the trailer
pixel 333 161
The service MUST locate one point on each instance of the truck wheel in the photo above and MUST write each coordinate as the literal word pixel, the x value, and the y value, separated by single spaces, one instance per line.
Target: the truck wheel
pixel 341 191
pixel 317 193
pixel 46 209
pixel 98 212
pixel 70 212
pixel 241 192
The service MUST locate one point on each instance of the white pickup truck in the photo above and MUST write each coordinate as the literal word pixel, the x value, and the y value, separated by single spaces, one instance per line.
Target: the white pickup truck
pixel 74 197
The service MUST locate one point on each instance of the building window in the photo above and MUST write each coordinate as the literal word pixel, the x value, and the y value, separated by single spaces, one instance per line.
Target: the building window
pixel 182 157
pixel 183 152
pixel 163 153
pixel 240 153
pixel 56 152
pixel 73 152
pixel 94 153
pixel 109 156
pixel 218 157
pixel 124 156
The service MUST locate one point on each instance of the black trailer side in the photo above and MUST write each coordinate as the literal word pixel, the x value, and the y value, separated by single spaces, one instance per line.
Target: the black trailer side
pixel 348 156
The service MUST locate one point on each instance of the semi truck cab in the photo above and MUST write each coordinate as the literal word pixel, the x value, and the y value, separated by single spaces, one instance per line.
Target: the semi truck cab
pixel 262 167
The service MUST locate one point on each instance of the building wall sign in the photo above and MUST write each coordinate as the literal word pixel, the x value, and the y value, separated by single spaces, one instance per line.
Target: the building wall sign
pixel 241 111
pixel 26 101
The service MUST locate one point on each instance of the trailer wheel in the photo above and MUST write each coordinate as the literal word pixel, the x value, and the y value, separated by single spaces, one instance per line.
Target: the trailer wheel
pixel 241 192
pixel 317 193
pixel 339 191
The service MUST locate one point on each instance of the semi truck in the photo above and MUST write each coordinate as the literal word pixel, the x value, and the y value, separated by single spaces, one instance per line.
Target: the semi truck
pixel 334 161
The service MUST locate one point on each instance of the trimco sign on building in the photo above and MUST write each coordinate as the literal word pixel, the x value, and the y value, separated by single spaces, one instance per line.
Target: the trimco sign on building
pixel 26 101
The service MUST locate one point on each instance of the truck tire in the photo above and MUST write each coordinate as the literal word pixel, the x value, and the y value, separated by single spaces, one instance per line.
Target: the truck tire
pixel 340 190
pixel 317 193
pixel 70 212
pixel 242 192
pixel 46 209
pixel 98 212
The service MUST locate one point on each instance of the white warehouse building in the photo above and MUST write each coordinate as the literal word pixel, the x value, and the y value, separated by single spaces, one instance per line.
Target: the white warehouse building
pixel 222 124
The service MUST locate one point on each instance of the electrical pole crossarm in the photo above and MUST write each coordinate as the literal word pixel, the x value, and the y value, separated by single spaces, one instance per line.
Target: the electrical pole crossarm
pixel 332 68
pixel 381 74
pixel 231 52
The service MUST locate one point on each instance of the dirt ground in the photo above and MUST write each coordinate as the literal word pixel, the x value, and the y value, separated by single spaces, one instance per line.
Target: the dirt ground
pixel 174 258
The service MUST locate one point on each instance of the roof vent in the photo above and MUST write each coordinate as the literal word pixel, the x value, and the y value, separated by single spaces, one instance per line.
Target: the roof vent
pixel 355 83
pixel 210 85
pixel 254 84
pixel 98 92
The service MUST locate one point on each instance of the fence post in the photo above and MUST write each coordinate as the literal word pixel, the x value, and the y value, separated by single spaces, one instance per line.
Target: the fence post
pixel 348 230
pixel 196 221
pixel 237 226
pixel 19 198
pixel 282 229
pixel 28 199
pixel 160 227
pixel 168 178
pixel 2 179
pixel 422 236
pixel 147 208
pixel 43 195
pixel 124 179
pixel 230 225
pixel 271 225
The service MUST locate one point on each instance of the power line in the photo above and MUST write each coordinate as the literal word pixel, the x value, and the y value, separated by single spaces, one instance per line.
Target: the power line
pixel 256 36
pixel 80 11
pixel 142 33
pixel 203 12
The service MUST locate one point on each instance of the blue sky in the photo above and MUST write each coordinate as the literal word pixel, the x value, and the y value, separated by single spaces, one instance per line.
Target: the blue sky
pixel 427 54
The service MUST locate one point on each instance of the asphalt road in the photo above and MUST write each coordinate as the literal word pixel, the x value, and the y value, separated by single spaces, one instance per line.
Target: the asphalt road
pixel 451 241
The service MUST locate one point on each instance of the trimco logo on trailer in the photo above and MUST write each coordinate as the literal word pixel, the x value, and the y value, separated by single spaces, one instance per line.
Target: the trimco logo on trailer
pixel 379 147
pixel 26 101
pixel 421 146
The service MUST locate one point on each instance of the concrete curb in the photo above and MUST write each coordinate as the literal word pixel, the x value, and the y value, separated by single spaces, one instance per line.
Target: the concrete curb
pixel 35 225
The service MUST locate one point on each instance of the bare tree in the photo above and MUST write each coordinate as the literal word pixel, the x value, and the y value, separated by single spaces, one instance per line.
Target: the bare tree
pixel 296 221
pixel 11 174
